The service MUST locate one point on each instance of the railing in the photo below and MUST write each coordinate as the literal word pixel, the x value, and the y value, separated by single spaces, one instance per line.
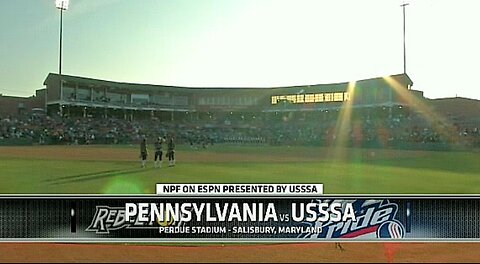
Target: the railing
pixel 127 104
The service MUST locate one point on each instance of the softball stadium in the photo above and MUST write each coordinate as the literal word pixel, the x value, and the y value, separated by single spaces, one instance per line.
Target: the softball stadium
pixel 376 136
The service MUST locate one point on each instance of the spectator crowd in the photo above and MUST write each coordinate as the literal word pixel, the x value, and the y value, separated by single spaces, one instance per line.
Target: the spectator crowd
pixel 373 131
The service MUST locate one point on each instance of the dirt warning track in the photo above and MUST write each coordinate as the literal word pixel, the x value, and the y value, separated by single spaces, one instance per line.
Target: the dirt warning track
pixel 124 153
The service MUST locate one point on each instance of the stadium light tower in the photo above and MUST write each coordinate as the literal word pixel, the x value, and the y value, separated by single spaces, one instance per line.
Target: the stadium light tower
pixel 404 44
pixel 61 5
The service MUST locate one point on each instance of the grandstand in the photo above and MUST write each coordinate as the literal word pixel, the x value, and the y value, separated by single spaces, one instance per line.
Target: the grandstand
pixel 92 97
pixel 91 111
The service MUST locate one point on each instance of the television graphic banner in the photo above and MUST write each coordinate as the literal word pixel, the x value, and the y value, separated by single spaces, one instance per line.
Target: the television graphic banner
pixel 242 219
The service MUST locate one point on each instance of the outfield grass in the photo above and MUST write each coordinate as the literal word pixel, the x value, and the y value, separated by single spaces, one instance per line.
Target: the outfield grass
pixel 115 169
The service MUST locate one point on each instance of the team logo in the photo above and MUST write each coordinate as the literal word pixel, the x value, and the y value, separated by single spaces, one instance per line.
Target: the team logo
pixel 374 219
pixel 391 229
pixel 108 219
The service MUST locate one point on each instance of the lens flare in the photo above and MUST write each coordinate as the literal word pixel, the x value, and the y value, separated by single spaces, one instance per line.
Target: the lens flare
pixel 344 124
pixel 123 186
pixel 440 124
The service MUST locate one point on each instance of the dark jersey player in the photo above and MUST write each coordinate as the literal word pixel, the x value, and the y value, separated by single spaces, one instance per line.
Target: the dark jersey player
pixel 171 153
pixel 158 152
pixel 143 152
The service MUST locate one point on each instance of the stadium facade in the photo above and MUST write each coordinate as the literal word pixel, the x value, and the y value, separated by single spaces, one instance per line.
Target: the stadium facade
pixel 101 98
pixel 17 105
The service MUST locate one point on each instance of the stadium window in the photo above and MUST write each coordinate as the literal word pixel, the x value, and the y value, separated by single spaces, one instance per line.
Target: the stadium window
pixel 115 97
pixel 274 100
pixel 328 97
pixel 338 97
pixel 309 98
pixel 68 93
pixel 97 95
pixel 181 100
pixel 318 97
pixel 305 98
pixel 83 94
pixel 292 98
pixel 300 98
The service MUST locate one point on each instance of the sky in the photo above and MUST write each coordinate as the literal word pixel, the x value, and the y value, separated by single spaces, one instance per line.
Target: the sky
pixel 242 43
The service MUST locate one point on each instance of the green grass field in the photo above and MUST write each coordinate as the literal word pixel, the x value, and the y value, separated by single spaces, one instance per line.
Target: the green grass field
pixel 116 169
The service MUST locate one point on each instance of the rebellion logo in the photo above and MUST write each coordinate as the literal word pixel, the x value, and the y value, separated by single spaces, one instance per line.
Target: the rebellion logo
pixel 108 219
pixel 374 219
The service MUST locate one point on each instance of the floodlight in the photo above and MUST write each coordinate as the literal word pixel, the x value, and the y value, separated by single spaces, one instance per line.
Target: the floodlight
pixel 62 4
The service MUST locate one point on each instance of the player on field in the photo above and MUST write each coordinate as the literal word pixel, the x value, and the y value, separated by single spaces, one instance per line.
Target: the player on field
pixel 143 152
pixel 158 152
pixel 171 152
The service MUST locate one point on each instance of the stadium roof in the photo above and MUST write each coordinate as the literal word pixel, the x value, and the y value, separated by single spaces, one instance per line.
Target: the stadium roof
pixel 457 107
